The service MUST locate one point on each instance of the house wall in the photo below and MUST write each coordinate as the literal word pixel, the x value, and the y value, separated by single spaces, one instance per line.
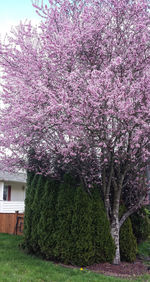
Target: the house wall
pixel 17 191
pixel 12 206
pixel 1 190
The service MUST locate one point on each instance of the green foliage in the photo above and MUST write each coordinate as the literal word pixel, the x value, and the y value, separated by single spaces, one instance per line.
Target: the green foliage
pixel 103 243
pixel 36 208
pixel 32 180
pixel 66 224
pixel 48 219
pixel 147 211
pixel 128 244
pixel 81 229
pixel 64 212
pixel 144 249
pixel 141 224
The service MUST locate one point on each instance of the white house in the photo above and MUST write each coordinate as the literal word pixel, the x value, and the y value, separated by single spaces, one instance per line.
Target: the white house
pixel 12 192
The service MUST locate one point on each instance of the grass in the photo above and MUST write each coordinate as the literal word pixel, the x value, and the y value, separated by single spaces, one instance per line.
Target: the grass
pixel 17 266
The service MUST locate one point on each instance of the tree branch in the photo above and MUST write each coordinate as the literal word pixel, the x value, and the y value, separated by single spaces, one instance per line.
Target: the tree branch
pixel 131 211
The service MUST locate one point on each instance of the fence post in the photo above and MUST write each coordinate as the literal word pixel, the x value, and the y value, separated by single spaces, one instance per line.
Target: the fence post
pixel 16 215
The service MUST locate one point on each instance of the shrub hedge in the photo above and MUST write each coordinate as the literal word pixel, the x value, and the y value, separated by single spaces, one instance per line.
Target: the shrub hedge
pixel 64 223
pixel 32 180
pixel 47 222
pixel 36 207
pixel 141 224
pixel 128 244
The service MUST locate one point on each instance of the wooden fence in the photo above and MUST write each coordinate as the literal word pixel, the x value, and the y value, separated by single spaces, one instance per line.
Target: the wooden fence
pixel 11 223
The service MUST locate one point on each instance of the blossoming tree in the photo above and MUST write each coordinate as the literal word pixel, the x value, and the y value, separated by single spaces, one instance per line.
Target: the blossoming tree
pixel 78 87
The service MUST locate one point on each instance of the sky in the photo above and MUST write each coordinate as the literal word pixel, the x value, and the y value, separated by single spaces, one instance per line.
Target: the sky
pixel 12 11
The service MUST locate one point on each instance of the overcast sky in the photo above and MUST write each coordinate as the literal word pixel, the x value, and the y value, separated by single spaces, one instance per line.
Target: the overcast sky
pixel 12 11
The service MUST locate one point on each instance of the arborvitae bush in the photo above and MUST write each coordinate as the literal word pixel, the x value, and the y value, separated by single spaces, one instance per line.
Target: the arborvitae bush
pixel 141 225
pixel 64 223
pixel 81 229
pixel 128 244
pixel 32 180
pixel 64 211
pixel 103 243
pixel 36 208
pixel 48 219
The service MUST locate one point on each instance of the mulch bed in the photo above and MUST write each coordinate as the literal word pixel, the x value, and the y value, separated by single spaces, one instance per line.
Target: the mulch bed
pixel 124 269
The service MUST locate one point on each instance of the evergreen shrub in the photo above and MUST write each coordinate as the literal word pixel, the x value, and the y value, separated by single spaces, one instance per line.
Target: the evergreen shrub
pixel 66 224
pixel 32 180
pixel 102 240
pixel 47 223
pixel 63 249
pixel 36 214
pixel 81 229
pixel 128 244
pixel 141 224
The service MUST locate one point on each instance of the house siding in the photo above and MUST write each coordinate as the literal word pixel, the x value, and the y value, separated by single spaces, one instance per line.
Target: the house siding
pixel 11 206
pixel 17 191
pixel 1 190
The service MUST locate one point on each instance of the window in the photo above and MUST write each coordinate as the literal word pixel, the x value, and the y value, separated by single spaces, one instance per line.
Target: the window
pixel 7 193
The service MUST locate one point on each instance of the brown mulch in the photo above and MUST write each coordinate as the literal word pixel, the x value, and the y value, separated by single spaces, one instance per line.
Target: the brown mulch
pixel 124 269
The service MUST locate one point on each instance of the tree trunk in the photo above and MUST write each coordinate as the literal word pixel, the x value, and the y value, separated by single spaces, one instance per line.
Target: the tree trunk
pixel 115 235
pixel 115 222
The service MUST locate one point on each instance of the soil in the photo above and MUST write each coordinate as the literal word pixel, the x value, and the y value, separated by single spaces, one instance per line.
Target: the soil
pixel 124 269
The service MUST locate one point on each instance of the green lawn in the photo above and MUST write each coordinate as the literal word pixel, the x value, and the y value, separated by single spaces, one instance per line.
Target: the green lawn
pixel 16 266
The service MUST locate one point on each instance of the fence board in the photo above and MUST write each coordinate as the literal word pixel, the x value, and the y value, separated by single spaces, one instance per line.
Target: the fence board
pixel 8 223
